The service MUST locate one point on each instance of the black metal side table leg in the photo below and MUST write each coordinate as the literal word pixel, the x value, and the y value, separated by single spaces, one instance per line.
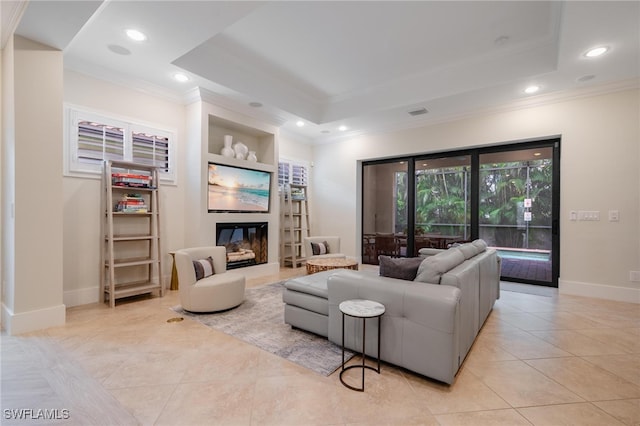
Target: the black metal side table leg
pixel 376 311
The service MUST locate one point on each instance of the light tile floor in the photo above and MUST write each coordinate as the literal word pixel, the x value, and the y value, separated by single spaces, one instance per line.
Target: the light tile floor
pixel 539 360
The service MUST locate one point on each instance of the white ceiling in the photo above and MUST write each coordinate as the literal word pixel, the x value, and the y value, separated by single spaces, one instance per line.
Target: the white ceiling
pixel 364 65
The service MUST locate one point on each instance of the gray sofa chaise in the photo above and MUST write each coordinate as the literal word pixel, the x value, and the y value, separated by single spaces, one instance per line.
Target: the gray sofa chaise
pixel 430 323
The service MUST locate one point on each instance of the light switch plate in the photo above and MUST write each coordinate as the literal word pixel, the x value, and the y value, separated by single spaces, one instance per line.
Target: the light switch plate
pixel 614 215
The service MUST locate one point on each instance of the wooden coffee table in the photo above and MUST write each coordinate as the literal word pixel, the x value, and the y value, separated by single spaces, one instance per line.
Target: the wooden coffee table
pixel 327 263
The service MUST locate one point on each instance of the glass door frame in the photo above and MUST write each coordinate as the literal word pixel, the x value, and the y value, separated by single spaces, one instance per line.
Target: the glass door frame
pixel 475 153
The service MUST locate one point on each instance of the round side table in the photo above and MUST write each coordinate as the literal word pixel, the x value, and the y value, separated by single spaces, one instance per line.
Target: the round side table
pixel 364 309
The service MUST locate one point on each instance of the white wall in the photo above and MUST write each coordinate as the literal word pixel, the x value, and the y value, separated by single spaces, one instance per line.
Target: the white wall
pixel 600 163
pixel 82 195
pixel 32 191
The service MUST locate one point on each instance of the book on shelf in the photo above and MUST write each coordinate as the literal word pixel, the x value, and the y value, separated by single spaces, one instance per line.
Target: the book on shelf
pixel 131 180
pixel 132 203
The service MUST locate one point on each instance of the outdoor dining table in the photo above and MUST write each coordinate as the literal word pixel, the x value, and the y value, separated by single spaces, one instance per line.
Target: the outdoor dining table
pixel 442 240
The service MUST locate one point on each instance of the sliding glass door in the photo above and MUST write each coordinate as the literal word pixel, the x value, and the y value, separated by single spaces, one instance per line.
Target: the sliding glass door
pixel 517 211
pixel 384 209
pixel 442 206
pixel 507 195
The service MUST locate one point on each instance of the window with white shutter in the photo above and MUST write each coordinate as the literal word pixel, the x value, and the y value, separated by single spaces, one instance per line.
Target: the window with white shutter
pixel 150 149
pixel 293 172
pixel 93 138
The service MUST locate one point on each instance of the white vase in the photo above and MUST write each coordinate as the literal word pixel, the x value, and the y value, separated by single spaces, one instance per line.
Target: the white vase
pixel 241 150
pixel 251 156
pixel 227 151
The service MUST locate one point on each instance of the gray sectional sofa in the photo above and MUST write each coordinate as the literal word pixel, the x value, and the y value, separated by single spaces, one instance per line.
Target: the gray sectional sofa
pixel 430 323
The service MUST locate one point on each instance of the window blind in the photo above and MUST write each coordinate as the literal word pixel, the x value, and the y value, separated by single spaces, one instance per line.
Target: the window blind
pixel 98 142
pixel 294 173
pixel 150 150
pixel 93 138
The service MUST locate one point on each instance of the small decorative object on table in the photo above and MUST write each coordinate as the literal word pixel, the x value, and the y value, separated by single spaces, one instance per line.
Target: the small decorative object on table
pixel 359 308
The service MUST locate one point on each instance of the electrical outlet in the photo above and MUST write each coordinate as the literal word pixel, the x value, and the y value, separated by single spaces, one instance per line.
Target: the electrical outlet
pixel 634 276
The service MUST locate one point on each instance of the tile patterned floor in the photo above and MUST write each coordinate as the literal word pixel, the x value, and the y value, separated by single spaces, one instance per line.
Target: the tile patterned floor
pixel 539 360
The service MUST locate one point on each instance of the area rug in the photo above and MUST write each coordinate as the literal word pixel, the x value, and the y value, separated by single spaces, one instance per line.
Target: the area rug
pixel 260 322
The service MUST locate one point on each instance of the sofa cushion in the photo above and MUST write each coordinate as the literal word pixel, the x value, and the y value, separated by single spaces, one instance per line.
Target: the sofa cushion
pixel 432 268
pixel 314 284
pixel 468 250
pixel 320 248
pixel 404 268
pixel 481 244
pixel 203 268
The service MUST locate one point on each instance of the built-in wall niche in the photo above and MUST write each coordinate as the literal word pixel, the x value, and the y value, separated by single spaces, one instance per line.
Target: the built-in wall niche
pixel 263 143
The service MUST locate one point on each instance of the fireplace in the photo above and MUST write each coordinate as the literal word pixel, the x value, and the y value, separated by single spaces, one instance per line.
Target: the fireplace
pixel 246 243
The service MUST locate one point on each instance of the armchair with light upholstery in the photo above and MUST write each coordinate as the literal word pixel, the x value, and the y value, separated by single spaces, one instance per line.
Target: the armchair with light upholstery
pixel 220 291
pixel 332 242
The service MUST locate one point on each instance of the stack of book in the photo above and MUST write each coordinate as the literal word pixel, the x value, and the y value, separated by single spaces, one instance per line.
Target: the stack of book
pixel 297 194
pixel 131 180
pixel 131 203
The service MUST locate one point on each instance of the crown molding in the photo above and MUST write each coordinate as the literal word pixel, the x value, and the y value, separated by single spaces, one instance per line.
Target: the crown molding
pixel 120 79
pixel 531 102
pixel 11 15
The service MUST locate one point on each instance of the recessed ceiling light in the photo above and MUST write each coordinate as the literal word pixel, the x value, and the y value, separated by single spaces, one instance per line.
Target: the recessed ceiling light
pixel 136 35
pixel 342 128
pixel 255 104
pixel 537 154
pixel 531 89
pixel 300 123
pixel 595 52
pixel 180 77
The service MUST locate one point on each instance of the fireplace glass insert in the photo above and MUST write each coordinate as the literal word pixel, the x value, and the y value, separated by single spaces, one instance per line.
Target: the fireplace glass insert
pixel 246 243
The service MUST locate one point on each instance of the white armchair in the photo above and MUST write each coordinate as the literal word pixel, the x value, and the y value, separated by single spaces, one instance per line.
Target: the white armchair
pixel 332 242
pixel 217 292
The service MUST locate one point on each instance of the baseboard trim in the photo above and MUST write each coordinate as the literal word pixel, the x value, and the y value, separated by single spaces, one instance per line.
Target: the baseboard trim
pixel 85 296
pixel 600 291
pixel 39 319
pixel 257 271
pixel 82 296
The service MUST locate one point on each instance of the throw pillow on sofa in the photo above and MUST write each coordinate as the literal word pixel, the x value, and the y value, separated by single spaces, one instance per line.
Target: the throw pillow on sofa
pixel 404 268
pixel 203 268
pixel 320 248
pixel 433 267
